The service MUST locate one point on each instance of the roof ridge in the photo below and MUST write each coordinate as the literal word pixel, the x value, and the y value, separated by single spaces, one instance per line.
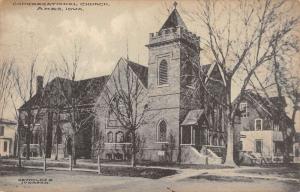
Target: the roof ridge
pixel 103 76
pixel 132 62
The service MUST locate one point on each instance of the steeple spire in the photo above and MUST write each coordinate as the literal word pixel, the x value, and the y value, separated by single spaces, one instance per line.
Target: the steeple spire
pixel 174 19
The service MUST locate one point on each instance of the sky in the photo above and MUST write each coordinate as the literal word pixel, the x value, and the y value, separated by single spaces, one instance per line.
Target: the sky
pixel 105 32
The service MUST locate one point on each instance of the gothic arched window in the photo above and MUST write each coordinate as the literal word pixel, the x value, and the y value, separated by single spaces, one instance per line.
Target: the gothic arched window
pixel 221 141
pixel 116 109
pixel 162 131
pixel 188 74
pixel 110 137
pixel 215 140
pixel 163 73
pixel 119 137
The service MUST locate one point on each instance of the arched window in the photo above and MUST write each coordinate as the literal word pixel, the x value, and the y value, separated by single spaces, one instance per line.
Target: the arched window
pixel 221 141
pixel 163 73
pixel 116 107
pixel 215 140
pixel 162 131
pixel 119 137
pixel 188 74
pixel 110 137
pixel 128 138
pixel 59 135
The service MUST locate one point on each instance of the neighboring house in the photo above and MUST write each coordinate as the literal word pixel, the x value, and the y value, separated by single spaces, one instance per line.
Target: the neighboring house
pixel 259 133
pixel 183 123
pixel 50 106
pixel 296 148
pixel 7 137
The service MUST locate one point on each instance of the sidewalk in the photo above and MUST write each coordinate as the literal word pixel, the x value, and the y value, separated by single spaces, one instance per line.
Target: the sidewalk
pixel 230 173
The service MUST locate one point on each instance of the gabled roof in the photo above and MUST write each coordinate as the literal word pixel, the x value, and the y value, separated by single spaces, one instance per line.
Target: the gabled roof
pixel 174 20
pixel 140 70
pixel 89 89
pixel 265 104
pixel 210 69
pixel 86 91
pixel 193 116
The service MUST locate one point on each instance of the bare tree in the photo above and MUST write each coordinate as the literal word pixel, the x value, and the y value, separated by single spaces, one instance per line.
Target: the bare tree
pixel 126 100
pixel 99 148
pixel 293 92
pixel 240 49
pixel 170 147
pixel 25 90
pixel 78 114
pixel 6 67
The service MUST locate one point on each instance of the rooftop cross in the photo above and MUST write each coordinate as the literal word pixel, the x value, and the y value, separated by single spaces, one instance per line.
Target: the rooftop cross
pixel 175 4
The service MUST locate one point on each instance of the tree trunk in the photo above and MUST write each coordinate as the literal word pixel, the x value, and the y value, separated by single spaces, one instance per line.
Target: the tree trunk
pixel 70 163
pixel 28 143
pixel 45 163
pixel 133 150
pixel 179 147
pixel 230 125
pixel 229 150
pixel 286 154
pixel 99 164
pixel 56 152
pixel 18 145
pixel 294 112
pixel 73 150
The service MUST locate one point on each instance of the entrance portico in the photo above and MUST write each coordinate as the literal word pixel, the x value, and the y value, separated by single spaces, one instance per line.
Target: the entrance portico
pixel 195 129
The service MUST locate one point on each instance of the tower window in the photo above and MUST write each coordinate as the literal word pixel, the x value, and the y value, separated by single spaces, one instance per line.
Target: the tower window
pixel 162 132
pixel 163 73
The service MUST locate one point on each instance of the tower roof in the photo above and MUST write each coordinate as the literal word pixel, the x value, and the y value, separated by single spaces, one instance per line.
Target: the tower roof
pixel 174 20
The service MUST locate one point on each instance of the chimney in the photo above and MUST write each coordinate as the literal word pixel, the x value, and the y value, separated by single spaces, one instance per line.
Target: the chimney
pixel 39 84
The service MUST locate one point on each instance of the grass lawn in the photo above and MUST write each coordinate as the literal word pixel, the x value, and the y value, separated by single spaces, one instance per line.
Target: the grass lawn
pixel 151 173
pixel 291 171
pixel 223 178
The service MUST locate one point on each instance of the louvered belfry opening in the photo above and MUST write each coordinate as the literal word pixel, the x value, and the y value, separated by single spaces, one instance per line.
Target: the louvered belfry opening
pixel 163 73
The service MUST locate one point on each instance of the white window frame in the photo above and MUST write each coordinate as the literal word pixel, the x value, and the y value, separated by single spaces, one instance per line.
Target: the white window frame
pixel 241 108
pixel 255 128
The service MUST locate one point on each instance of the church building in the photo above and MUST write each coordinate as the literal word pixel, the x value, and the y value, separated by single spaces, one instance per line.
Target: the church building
pixel 184 116
pixel 174 105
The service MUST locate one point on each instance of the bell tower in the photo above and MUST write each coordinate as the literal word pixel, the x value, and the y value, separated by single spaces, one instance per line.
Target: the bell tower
pixel 172 52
